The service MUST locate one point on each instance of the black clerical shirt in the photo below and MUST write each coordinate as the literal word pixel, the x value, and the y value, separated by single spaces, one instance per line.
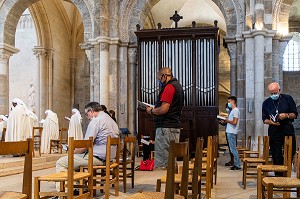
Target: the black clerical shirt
pixel 284 104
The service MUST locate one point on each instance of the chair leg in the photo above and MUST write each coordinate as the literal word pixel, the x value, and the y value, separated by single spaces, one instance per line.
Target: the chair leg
pixel 132 175
pixel 244 173
pixel 158 185
pixel 37 187
pixel 117 182
pixel 259 183
pixel 124 177
pixel 270 191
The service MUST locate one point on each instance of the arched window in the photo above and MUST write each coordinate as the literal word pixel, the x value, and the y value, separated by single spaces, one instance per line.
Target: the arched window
pixel 291 54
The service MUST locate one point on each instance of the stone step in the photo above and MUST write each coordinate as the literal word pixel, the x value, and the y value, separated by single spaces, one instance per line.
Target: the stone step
pixel 13 165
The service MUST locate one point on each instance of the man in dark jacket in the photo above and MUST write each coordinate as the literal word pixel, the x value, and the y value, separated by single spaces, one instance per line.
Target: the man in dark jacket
pixel 166 115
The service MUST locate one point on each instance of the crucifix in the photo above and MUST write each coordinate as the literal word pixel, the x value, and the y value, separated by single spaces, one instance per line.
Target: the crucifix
pixel 176 17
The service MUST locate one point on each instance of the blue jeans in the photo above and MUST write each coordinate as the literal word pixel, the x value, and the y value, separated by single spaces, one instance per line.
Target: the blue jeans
pixel 232 145
pixel 163 138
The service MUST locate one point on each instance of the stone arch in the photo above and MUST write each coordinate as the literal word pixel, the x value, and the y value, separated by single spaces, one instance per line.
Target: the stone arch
pixel 134 12
pixel 281 14
pixel 11 11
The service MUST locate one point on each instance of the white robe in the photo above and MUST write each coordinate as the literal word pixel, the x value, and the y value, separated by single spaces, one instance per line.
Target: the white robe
pixel 18 127
pixel 50 131
pixel 75 129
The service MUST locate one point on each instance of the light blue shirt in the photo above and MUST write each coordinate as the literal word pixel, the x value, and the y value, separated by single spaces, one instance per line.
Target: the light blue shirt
pixel 100 128
pixel 230 128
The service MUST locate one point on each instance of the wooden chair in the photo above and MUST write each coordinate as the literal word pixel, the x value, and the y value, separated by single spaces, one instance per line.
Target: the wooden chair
pixel 286 168
pixel 22 147
pixel 195 167
pixel 36 136
pixel 105 175
pixel 250 164
pixel 243 148
pixel 57 143
pixel 254 153
pixel 70 176
pixel 3 135
pixel 180 149
pixel 128 158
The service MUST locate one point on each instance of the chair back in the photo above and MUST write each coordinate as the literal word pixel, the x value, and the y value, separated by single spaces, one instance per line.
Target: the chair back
pixel 248 143
pixel 3 135
pixel 73 144
pixel 259 145
pixel 129 148
pixel 266 147
pixel 287 154
pixel 197 171
pixel 112 142
pixel 35 130
pixel 21 147
pixel 180 149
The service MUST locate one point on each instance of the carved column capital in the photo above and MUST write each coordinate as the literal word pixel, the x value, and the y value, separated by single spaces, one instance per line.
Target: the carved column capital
pixel 132 55
pixel 6 51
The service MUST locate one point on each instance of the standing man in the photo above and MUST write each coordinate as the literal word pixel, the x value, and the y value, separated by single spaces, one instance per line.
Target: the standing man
pixel 232 128
pixel 166 115
pixel 279 112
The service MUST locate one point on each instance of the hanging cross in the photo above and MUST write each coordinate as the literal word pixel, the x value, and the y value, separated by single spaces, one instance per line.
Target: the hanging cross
pixel 176 17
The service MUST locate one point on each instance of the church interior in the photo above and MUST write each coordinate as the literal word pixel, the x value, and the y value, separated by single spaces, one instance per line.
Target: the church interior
pixel 62 54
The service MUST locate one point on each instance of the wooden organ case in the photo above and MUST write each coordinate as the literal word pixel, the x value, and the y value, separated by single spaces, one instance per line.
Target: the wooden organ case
pixel 192 54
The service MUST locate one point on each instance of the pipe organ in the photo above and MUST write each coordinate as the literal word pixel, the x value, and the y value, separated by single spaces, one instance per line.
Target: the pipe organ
pixel 192 54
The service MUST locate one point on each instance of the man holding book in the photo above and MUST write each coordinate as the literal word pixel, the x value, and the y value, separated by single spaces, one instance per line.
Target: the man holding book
pixel 279 112
pixel 166 115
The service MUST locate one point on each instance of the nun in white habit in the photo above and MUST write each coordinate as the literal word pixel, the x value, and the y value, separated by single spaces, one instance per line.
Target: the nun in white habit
pixel 3 124
pixel 50 131
pixel 75 129
pixel 18 122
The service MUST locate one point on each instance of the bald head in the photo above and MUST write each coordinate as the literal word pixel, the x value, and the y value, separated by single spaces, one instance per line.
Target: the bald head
pixel 166 71
pixel 274 87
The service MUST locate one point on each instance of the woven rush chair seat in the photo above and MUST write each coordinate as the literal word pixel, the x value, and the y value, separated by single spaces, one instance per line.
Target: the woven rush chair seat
pixel 254 160
pixel 177 178
pixel 271 167
pixel 152 195
pixel 63 176
pixel 12 195
pixel 282 182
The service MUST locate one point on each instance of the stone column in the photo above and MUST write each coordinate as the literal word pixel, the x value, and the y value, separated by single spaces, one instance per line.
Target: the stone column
pixel 45 79
pixel 89 51
pixel 114 77
pixel 231 43
pixel 132 88
pixel 249 90
pixel 240 89
pixel 6 51
pixel 283 42
pixel 73 64
pixel 123 90
pixel 104 83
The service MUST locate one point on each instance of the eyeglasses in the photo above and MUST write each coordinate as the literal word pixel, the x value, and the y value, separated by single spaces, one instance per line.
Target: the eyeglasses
pixel 275 93
pixel 86 113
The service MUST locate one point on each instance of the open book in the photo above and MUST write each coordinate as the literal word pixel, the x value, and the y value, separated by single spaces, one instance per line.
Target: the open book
pixel 219 117
pixel 145 141
pixel 274 118
pixel 144 105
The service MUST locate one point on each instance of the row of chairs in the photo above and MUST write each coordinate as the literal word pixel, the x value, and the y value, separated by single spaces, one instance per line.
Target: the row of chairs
pixel 91 177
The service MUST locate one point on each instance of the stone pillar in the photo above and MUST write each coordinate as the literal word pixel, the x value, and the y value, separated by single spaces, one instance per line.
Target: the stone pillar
pixel 114 77
pixel 231 43
pixel 89 51
pixel 104 83
pixel 45 79
pixel 258 78
pixel 240 89
pixel 73 64
pixel 249 90
pixel 6 51
pixel 283 42
pixel 123 90
pixel 132 88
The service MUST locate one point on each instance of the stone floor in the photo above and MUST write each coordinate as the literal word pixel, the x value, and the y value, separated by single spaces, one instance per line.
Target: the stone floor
pixel 228 186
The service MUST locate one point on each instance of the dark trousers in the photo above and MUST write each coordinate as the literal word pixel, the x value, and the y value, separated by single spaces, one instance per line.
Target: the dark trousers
pixel 147 150
pixel 277 134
